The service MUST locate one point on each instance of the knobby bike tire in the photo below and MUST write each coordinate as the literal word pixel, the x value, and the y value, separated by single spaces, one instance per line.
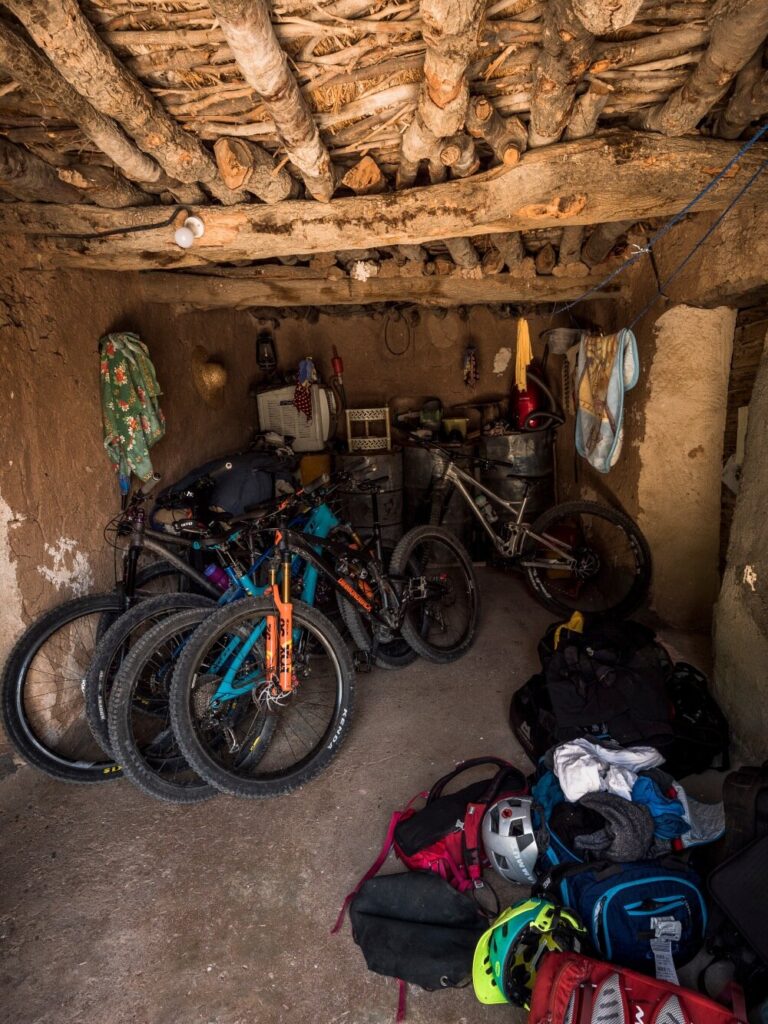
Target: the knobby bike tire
pixel 184 679
pixel 111 649
pixel 402 564
pixel 642 553
pixel 394 654
pixel 122 706
pixel 14 680
pixel 149 572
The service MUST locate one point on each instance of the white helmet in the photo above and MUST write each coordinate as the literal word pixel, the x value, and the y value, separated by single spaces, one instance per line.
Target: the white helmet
pixel 509 839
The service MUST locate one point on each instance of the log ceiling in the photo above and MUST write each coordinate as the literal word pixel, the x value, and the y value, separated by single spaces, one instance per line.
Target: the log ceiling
pixel 348 151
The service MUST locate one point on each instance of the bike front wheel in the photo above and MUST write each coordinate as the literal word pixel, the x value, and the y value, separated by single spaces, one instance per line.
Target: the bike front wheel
pixel 440 623
pixel 42 690
pixel 140 731
pixel 223 737
pixel 587 557
pixel 114 646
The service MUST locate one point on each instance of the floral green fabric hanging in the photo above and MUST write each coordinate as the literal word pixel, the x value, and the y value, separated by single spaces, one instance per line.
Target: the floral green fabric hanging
pixel 133 419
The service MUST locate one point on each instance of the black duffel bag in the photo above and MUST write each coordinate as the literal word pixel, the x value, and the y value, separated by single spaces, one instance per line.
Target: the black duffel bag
pixel 417 928
pixel 607 681
pixel 230 484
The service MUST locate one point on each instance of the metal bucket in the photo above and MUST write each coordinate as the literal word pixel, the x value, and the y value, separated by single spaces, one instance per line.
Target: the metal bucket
pixel 359 507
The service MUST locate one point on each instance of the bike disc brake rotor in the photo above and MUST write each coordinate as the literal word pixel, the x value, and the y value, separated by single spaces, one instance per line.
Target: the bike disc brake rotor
pixel 588 563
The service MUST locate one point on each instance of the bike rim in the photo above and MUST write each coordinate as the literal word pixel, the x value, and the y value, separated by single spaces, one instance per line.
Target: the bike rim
pixel 149 715
pixel 254 740
pixel 445 618
pixel 50 708
pixel 606 563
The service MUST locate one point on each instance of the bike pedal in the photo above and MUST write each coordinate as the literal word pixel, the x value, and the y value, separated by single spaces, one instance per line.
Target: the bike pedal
pixel 362 661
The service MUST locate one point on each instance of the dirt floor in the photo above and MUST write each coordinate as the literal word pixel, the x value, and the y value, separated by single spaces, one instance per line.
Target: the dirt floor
pixel 116 908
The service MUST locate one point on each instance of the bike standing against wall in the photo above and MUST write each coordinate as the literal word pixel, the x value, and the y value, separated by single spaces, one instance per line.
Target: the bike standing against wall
pixel 43 678
pixel 279 657
pixel 577 556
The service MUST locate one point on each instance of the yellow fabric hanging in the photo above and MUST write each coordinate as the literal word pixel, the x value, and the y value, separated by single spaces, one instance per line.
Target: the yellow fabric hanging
pixel 523 355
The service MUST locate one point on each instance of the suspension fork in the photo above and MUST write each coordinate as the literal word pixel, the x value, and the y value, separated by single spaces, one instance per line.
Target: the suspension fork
pixel 279 628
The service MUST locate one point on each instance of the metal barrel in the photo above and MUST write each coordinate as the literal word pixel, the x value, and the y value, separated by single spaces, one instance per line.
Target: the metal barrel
pixel 529 453
pixel 359 507
pixel 421 470
pixel 528 465
pixel 417 481
pixel 540 490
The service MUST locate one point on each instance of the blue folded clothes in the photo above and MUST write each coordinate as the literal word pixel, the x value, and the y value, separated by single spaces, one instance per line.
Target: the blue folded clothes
pixel 667 812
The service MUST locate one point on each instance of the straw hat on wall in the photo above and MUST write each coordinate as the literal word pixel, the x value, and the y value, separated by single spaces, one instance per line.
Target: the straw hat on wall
pixel 210 378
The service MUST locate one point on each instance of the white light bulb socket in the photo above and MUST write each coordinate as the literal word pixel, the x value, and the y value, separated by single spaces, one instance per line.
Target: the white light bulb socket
pixel 195 225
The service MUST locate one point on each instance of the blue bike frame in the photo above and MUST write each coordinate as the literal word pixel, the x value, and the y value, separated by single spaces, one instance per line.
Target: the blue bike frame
pixel 319 524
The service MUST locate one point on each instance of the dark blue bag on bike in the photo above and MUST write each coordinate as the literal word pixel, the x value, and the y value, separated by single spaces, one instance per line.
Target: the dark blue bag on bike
pixel 649 915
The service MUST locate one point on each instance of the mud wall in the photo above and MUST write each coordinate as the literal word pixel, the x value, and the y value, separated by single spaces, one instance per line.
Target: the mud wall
pixel 57 489
pixel 741 615
pixel 654 479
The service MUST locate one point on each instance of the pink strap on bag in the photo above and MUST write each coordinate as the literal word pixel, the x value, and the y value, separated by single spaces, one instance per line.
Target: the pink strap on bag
pixel 389 839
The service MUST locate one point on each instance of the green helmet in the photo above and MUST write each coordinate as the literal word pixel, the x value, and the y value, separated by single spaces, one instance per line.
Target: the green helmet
pixel 508 954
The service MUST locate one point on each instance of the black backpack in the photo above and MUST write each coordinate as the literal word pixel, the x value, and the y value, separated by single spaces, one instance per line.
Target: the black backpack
pixel 417 928
pixel 701 733
pixel 607 681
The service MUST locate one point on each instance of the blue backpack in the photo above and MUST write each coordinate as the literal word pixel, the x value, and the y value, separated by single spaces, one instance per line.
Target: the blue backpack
pixel 636 914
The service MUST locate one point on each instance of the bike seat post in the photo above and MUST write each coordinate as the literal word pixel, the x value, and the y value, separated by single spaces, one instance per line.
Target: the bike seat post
pixel 374 492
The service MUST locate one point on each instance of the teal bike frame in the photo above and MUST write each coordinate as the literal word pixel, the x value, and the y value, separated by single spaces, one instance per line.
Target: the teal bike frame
pixel 319 524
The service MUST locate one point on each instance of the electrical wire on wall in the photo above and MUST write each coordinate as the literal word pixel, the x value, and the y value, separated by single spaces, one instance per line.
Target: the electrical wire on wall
pixel 391 315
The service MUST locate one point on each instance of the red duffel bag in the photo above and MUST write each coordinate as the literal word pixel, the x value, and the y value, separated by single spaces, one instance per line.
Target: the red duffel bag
pixel 573 989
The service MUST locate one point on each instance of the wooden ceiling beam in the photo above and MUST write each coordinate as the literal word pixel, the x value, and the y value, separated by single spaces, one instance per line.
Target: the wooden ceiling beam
pixel 451 32
pixel 28 177
pixel 71 44
pixel 37 76
pixel 566 49
pixel 738 29
pixel 569 28
pixel 749 100
pixel 247 27
pixel 613 177
pixel 200 292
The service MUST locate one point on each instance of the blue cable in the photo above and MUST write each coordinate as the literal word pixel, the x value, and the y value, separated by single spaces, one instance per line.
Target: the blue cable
pixel 701 241
pixel 676 220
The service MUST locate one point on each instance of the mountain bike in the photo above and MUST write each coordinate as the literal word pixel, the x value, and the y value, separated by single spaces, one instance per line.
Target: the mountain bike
pixel 577 556
pixel 42 680
pixel 138 669
pixel 278 657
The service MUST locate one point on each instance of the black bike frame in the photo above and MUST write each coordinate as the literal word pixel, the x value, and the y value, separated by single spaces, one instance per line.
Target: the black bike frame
pixel 304 544
pixel 159 543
